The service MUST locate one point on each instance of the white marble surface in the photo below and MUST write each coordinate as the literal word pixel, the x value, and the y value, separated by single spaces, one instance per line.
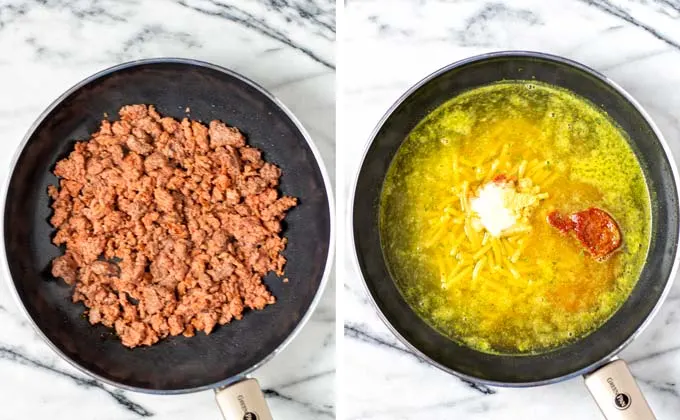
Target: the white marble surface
pixel 47 46
pixel 393 44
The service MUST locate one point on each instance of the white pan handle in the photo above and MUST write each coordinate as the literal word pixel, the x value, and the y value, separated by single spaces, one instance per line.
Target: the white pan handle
pixel 617 394
pixel 243 400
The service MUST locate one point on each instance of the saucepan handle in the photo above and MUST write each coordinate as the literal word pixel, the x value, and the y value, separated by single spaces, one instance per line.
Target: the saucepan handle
pixel 617 394
pixel 243 400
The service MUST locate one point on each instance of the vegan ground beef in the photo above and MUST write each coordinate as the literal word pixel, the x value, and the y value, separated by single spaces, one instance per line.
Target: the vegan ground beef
pixel 168 226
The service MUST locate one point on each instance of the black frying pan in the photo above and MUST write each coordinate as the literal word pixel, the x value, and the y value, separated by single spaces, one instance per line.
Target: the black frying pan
pixel 593 351
pixel 177 364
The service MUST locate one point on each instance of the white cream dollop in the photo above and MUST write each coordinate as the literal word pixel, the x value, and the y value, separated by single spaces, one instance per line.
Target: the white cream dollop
pixel 490 206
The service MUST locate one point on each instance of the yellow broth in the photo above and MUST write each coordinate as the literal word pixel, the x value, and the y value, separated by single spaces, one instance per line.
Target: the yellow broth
pixel 535 290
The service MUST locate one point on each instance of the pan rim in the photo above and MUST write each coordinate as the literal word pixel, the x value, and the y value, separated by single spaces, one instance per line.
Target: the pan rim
pixel 482 57
pixel 298 125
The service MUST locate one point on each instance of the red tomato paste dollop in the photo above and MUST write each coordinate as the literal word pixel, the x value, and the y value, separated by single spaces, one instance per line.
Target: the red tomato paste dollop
pixel 594 228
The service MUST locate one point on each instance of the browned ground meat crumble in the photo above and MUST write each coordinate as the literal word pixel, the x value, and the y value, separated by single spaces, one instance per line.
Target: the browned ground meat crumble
pixel 168 226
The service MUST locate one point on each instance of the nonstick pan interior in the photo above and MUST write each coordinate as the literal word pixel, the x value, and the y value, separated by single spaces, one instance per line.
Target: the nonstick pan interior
pixel 566 361
pixel 175 364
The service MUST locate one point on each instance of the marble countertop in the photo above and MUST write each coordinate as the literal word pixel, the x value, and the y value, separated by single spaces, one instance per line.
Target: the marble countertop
pixel 285 45
pixel 393 44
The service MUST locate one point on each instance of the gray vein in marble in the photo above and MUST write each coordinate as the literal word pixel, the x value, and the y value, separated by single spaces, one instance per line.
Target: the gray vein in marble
pixel 150 33
pixel 614 28
pixel 665 387
pixel 478 387
pixel 386 29
pixel 360 333
pixel 634 59
pixel 94 10
pixel 42 52
pixel 476 31
pixel 359 295
pixel 653 355
pixel 611 30
pixel 620 13
pixel 299 79
pixel 236 14
pixel 326 410
pixel 305 379
pixel 10 12
pixel 324 316
pixel 308 11
pixel 18 318
pixel 674 5
pixel 13 355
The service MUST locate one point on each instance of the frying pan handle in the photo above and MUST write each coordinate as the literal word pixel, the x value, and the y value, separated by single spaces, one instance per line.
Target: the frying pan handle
pixel 617 394
pixel 243 400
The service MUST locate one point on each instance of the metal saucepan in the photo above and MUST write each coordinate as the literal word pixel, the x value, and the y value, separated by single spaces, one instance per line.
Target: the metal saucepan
pixel 593 356
pixel 223 359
